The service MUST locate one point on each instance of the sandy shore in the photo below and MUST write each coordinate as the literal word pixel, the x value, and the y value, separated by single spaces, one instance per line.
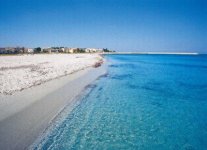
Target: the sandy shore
pixel 25 115
pixel 24 71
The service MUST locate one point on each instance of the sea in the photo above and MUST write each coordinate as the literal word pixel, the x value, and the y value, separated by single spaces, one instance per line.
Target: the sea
pixel 144 102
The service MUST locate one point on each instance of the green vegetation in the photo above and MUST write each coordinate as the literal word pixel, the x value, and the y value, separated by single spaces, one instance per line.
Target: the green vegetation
pixel 106 50
pixel 80 50
pixel 37 50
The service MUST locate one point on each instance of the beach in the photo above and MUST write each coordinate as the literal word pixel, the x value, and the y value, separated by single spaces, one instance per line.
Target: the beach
pixel 34 100
pixel 24 71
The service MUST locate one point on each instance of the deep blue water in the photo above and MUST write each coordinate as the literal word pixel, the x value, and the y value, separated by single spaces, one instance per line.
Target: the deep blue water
pixel 145 102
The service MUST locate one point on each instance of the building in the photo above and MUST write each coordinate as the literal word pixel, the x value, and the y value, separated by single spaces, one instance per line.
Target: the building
pixel 10 50
pixel 66 50
pixel 61 50
pixel 47 50
pixel 28 50
pixel 90 50
pixel 54 50
pixel 99 50
pixel 70 50
pixel 2 50
pixel 18 50
pixel 73 50
pixel 93 50
pixel 15 50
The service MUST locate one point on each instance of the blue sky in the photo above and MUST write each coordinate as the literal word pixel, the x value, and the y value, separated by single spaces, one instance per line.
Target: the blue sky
pixel 121 25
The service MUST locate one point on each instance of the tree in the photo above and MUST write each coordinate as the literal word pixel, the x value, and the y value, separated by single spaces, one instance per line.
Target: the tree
pixel 37 50
pixel 106 50
pixel 80 50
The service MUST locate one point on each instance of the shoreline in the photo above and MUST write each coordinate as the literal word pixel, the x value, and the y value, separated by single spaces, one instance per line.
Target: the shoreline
pixel 26 114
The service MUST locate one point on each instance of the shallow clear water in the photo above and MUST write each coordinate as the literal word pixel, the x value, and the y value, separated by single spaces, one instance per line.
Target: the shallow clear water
pixel 145 102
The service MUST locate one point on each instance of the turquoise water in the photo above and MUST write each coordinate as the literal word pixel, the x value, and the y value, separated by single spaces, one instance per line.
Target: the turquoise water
pixel 145 102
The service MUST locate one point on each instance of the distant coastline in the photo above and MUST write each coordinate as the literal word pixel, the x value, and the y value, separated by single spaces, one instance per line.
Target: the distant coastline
pixel 157 53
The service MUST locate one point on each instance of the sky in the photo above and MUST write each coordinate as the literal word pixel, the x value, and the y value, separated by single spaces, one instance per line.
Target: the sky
pixel 121 25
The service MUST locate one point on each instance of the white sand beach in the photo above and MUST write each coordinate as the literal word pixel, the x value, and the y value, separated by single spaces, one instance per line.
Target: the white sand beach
pixel 25 114
pixel 24 71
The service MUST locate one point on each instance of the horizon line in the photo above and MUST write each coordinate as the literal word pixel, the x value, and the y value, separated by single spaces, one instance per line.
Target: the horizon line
pixel 166 53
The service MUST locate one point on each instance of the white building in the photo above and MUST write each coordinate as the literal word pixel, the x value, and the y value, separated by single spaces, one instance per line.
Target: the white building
pixel 28 50
pixel 93 50
pixel 70 50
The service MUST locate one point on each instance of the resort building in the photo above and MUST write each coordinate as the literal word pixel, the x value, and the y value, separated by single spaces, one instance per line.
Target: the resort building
pixel 47 50
pixel 93 50
pixel 10 50
pixel 70 50
pixel 2 50
pixel 61 50
pixel 54 50
pixel 20 50
pixel 28 50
